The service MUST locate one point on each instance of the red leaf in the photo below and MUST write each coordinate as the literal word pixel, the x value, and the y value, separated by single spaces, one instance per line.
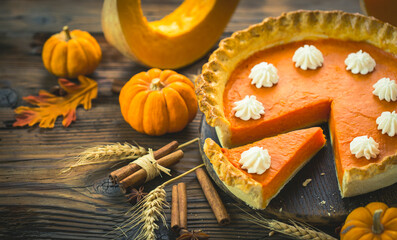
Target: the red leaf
pixel 24 118
pixel 69 118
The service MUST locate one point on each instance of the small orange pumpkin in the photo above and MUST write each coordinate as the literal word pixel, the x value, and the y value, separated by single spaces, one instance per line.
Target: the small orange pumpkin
pixel 376 221
pixel 158 102
pixel 69 54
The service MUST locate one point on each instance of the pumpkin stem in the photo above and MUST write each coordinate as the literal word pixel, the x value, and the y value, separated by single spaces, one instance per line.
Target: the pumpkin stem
pixel 156 84
pixel 377 227
pixel 67 33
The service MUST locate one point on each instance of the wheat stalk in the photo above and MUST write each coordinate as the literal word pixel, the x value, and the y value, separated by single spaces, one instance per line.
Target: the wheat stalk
pixel 149 210
pixel 297 230
pixel 116 152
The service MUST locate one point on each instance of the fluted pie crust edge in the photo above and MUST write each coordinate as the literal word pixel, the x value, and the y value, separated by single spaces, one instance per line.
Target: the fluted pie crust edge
pixel 291 27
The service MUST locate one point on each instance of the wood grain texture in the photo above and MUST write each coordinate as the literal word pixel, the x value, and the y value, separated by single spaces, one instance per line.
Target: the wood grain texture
pixel 36 202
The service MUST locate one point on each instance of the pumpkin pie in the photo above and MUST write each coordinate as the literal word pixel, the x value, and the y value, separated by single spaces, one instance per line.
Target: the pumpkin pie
pixel 300 98
pixel 289 152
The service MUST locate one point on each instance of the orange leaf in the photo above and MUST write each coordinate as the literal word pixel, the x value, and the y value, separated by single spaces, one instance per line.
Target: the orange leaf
pixel 51 106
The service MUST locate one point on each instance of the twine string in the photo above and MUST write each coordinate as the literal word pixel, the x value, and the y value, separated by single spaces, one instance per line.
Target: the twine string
pixel 150 165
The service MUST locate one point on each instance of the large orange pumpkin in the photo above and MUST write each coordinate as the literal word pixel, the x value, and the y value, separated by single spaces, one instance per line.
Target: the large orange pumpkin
pixel 158 102
pixel 376 221
pixel 69 54
pixel 178 39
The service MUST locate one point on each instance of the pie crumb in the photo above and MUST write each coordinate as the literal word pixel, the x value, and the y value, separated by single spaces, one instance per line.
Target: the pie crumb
pixel 306 182
pixel 322 202
pixel 322 174
pixel 329 214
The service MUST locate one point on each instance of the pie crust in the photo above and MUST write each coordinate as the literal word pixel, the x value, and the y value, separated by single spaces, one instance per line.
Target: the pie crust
pixel 238 183
pixel 258 190
pixel 292 27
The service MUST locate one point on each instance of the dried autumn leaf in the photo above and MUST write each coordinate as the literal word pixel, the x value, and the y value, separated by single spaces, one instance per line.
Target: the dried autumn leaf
pixel 51 106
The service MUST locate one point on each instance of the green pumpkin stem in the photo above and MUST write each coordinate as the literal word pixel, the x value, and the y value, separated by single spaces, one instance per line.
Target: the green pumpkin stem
pixel 377 227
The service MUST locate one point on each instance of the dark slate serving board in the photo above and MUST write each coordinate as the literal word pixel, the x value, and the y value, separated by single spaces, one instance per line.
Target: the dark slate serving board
pixel 317 203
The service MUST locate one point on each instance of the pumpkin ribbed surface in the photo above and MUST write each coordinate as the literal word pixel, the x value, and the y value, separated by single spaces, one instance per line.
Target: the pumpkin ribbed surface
pixel 158 102
pixel 376 221
pixel 71 53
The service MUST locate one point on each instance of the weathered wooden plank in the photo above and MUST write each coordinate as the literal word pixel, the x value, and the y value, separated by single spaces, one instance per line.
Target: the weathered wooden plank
pixel 38 203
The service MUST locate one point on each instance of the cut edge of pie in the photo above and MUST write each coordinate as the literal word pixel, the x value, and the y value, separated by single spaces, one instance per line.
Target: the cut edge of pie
pixel 251 191
pixel 372 177
pixel 291 27
pixel 369 178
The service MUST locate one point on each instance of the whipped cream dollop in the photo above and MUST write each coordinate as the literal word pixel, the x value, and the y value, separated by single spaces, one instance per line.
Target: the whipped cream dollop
pixel 249 108
pixel 385 89
pixel 387 122
pixel 308 57
pixel 255 160
pixel 360 62
pixel 364 147
pixel 263 75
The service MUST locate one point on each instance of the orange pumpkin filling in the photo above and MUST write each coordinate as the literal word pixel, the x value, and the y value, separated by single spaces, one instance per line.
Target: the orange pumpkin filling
pixel 303 98
pixel 288 153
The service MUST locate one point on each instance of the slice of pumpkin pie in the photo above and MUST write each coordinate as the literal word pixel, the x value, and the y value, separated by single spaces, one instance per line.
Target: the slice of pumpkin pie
pixel 257 172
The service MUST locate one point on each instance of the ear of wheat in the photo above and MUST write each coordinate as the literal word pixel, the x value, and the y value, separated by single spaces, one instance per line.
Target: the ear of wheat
pixel 148 211
pixel 296 230
pixel 111 153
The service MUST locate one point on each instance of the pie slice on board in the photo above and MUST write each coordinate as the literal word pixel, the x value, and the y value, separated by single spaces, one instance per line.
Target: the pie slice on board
pixel 289 152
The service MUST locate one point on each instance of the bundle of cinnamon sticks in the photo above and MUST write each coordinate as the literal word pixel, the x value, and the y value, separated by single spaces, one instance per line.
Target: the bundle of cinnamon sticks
pixel 132 175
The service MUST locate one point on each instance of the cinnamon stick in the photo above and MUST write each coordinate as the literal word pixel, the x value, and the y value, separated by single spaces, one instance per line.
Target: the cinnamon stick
pixel 182 204
pixel 139 177
pixel 175 209
pixel 121 173
pixel 213 198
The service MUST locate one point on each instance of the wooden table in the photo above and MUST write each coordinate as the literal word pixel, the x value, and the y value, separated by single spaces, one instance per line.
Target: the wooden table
pixel 38 203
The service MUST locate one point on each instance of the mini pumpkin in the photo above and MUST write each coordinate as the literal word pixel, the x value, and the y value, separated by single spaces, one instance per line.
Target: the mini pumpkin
pixel 69 54
pixel 376 221
pixel 158 102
